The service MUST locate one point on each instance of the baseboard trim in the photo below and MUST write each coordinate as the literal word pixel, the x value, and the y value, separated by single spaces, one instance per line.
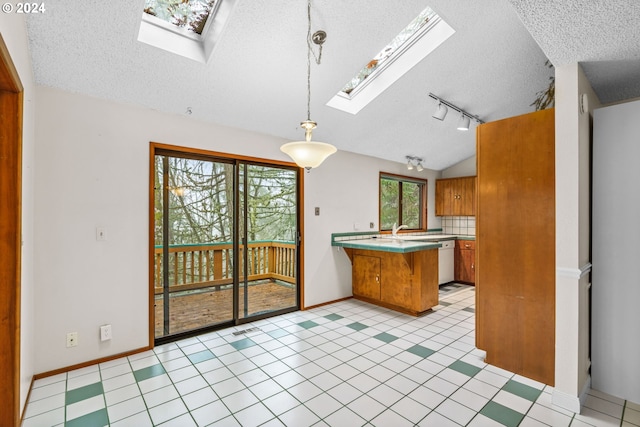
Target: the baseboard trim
pixel 574 273
pixel 89 363
pixel 325 303
pixel 570 402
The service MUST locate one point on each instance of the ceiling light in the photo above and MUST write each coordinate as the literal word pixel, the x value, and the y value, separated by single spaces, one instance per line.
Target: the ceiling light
pixel 441 112
pixel 463 124
pixel 309 154
pixel 413 161
pixel 410 165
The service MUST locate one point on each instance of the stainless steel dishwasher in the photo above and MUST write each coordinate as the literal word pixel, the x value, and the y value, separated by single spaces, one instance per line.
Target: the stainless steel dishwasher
pixel 445 261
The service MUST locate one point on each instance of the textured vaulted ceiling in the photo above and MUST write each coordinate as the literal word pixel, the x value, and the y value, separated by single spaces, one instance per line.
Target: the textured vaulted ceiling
pixel 256 78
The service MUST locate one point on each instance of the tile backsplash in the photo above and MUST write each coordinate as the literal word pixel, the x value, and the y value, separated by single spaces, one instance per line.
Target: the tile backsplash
pixel 462 225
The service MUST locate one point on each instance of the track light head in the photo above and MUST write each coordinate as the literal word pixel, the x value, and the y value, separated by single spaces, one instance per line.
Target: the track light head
pixel 464 123
pixel 441 112
pixel 419 168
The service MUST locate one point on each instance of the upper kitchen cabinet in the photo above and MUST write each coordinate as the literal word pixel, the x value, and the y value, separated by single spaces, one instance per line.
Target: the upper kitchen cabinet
pixel 456 196
pixel 515 244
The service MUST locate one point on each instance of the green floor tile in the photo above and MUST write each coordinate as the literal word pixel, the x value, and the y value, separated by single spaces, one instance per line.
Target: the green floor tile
pixel 421 351
pixel 444 303
pixel 149 372
pixel 277 333
pixel 333 316
pixel 386 337
pixel 200 356
pixel 243 343
pixel 469 309
pixel 505 416
pixel 308 324
pixel 357 326
pixel 464 368
pixel 83 393
pixel 522 390
pixel 94 419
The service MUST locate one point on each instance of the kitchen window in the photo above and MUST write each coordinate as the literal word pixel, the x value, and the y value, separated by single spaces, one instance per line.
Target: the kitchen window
pixel 403 201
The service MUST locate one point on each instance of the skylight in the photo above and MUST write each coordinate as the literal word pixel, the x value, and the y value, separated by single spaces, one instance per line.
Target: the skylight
pixel 189 14
pixel 190 28
pixel 424 34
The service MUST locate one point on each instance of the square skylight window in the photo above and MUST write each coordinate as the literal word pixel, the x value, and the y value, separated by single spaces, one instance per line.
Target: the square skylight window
pixel 190 28
pixel 418 39
pixel 189 14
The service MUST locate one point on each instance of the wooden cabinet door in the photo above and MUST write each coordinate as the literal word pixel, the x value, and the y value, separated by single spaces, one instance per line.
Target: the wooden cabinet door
pixel 444 197
pixel 465 261
pixel 466 205
pixel 366 276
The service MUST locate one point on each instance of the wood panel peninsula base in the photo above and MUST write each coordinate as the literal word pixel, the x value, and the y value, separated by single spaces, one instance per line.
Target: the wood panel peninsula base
pixel 405 282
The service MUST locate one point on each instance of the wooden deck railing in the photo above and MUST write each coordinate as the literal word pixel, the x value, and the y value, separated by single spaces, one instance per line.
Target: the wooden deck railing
pixel 210 264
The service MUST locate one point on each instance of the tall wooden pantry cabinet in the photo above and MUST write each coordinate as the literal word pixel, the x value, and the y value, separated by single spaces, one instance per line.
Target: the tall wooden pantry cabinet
pixel 515 244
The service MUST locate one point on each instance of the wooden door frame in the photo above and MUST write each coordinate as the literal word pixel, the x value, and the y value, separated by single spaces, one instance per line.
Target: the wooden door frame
pixel 11 103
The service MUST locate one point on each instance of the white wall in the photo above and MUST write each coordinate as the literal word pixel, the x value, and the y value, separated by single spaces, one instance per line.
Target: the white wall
pixel 92 170
pixel 466 167
pixel 346 190
pixel 572 235
pixel 13 31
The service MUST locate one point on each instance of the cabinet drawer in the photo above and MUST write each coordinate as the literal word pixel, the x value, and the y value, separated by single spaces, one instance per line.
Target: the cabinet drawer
pixel 466 244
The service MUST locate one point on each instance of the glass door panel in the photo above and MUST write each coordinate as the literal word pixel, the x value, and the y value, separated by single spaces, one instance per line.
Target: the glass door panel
pixel 268 225
pixel 193 256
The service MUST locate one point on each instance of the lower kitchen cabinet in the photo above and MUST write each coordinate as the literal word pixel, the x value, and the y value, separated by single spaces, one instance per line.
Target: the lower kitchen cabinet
pixel 465 261
pixel 406 282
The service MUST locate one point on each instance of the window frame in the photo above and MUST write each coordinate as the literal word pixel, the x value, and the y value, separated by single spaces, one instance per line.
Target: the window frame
pixel 423 200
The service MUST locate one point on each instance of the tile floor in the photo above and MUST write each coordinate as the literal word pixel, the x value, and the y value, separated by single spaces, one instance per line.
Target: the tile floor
pixel 344 364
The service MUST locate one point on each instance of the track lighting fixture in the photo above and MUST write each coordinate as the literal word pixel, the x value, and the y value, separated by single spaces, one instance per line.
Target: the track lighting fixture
pixel 413 161
pixel 441 112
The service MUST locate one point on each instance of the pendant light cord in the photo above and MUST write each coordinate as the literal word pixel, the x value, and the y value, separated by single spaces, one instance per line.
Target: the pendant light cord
pixel 309 52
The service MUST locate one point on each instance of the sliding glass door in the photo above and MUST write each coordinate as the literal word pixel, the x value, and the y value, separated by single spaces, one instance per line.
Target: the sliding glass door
pixel 225 242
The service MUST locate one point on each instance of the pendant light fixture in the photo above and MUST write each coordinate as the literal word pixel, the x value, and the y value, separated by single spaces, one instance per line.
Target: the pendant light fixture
pixel 309 154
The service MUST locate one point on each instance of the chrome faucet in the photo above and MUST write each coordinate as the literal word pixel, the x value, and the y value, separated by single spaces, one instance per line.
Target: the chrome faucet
pixel 395 229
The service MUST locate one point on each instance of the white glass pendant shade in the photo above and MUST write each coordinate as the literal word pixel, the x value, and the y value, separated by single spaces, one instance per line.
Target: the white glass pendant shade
pixel 308 154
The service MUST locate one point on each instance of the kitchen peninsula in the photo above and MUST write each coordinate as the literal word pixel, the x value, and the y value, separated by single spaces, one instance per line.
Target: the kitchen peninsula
pixel 393 272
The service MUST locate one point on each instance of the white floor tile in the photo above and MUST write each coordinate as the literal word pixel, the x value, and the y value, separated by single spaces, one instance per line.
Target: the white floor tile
pixel 160 396
pixel 83 407
pixel 257 414
pixel 281 402
pixel 182 421
pixel 45 419
pixel 455 412
pixel 300 416
pixel 126 409
pixel 390 418
pixel 367 407
pixel 435 419
pixel 323 405
pixel 240 400
pixel 344 417
pixel 167 411
pixel 210 413
pixel 199 398
pixel 141 419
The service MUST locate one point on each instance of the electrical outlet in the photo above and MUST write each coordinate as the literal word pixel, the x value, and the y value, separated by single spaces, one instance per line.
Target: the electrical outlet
pixel 317 211
pixel 105 332
pixel 72 339
pixel 371 225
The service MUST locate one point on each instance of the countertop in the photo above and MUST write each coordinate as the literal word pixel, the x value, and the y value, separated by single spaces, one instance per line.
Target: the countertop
pixel 403 243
